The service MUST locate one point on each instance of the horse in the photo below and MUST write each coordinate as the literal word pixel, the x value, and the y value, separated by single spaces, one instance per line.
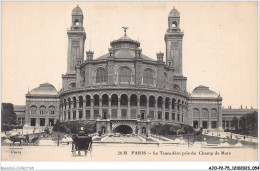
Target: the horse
pixel 15 139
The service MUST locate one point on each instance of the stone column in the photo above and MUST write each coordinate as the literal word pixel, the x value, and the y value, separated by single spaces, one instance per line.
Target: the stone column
pixel 209 120
pixel 147 107
pixel 84 109
pixel 71 111
pixel 119 108
pixel 200 121
pixel 219 115
pixel 170 110
pixel 156 110
pixel 109 108
pixel 91 109
pixel 100 107
pixel 128 108
pixel 163 109
pixel 77 109
pixel 138 106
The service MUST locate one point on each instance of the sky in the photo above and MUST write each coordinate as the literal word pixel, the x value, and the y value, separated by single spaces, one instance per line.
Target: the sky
pixel 219 44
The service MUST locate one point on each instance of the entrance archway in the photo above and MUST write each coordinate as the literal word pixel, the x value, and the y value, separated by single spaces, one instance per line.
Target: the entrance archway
pixel 124 129
pixel 143 130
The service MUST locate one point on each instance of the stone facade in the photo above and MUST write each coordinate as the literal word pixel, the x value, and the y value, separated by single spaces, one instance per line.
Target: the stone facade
pixel 42 106
pixel 124 89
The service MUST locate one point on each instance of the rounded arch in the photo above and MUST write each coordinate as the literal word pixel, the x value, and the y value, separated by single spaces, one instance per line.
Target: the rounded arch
pixel 173 103
pixel 160 102
pixel 69 102
pixel 51 110
pixel 205 113
pixel 76 22
pixel 123 129
pixel 174 24
pixel 148 76
pixel 214 112
pixel 167 101
pixel 33 110
pixel 33 107
pixel 196 112
pixel 101 75
pixel 143 100
pixel 133 100
pixel 151 101
pixel 65 103
pixel 96 100
pixel 114 100
pixel 115 125
pixel 42 110
pixel 124 74
pixel 88 100
pixel 124 100
pixel 74 99
pixel 104 100
pixel 178 104
pixel 80 101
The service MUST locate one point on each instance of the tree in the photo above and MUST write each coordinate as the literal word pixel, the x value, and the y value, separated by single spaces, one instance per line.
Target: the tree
pixel 8 116
pixel 249 123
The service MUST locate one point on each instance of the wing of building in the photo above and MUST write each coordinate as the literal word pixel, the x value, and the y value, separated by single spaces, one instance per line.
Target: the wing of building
pixel 124 89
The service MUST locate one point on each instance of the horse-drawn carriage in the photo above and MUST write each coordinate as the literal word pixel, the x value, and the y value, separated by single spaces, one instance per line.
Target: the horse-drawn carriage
pixel 81 142
pixel 23 139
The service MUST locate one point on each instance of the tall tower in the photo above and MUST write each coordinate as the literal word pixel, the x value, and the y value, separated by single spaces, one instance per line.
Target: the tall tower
pixel 173 40
pixel 76 41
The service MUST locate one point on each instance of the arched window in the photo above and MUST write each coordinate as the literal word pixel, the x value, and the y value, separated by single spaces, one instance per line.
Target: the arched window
pixel 114 100
pixel 133 100
pixel 76 22
pixel 159 102
pixel 151 101
pixel 174 24
pixel 105 100
pixel 69 100
pixel 143 100
pixel 80 101
pixel 42 110
pixel 74 102
pixel 33 110
pixel 124 100
pixel 101 75
pixel 214 113
pixel 196 113
pixel 148 76
pixel 88 101
pixel 65 103
pixel 124 74
pixel 52 110
pixel 205 113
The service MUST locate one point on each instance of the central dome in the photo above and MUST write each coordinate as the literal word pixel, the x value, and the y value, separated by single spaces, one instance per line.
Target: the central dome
pixel 125 48
pixel 125 42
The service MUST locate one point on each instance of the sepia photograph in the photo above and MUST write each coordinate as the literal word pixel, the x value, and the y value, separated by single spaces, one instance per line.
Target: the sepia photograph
pixel 129 81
